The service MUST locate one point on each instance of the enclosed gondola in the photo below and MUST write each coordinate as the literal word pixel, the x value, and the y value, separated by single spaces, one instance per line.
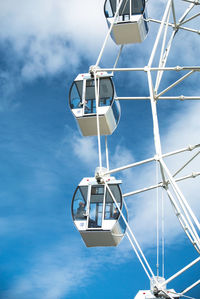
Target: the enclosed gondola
pixel 130 25
pixel 147 294
pixel 82 100
pixel 95 213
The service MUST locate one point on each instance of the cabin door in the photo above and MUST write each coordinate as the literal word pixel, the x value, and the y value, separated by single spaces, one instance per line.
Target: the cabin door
pixel 96 207
pixel 88 96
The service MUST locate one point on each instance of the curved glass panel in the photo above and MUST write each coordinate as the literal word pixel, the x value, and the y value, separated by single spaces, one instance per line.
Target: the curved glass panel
pixel 145 22
pixel 106 92
pixel 136 6
pixel 116 111
pixel 121 220
pixel 88 100
pixel 75 97
pixel 108 10
pixel 111 211
pixel 79 203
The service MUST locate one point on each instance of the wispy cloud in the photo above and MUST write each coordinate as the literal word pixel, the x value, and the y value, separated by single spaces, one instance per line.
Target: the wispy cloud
pixel 45 38
pixel 54 273
pixel 49 37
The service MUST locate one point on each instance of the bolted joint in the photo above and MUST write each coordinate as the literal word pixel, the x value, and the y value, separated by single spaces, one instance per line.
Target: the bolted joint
pixel 157 157
pixel 165 185
pixel 178 68
pixel 194 174
pixel 100 175
pixel 99 179
pixel 93 69
pixel 191 147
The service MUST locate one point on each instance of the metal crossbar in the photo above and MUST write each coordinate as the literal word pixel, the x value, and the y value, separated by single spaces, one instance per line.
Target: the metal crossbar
pixel 184 213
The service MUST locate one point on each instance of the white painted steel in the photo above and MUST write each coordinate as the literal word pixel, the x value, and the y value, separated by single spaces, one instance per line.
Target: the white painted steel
pixel 97 118
pixel 187 163
pixel 135 243
pixel 193 175
pixel 191 287
pixel 174 84
pixel 107 156
pixel 181 98
pixel 108 34
pixel 181 271
pixel 188 220
pixel 153 68
pixel 117 59
pixel 189 148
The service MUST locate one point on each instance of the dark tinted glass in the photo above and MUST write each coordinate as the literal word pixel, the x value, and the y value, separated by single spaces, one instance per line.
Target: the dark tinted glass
pixel 137 7
pixel 111 211
pixel 79 203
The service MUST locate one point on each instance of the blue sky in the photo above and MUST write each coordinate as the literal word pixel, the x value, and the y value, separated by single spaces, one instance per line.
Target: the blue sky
pixel 43 46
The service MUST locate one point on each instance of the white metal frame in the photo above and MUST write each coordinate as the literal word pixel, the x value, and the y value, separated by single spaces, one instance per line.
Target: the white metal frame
pixel 184 213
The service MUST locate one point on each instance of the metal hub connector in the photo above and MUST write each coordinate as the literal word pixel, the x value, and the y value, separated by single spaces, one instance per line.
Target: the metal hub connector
pixel 100 175
pixel 92 70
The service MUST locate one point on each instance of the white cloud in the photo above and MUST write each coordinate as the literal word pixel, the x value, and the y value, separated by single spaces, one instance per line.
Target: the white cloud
pixel 86 149
pixel 83 149
pixel 51 36
pixel 121 156
pixel 54 273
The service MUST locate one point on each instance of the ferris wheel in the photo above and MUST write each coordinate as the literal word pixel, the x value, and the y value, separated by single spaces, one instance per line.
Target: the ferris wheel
pixel 99 209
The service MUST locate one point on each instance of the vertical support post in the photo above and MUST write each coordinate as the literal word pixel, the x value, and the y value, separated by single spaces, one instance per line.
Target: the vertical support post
pixel 83 92
pixel 107 157
pixel 157 220
pixel 162 60
pixel 108 34
pixel 163 237
pixel 154 116
pixel 97 83
pixel 136 247
pixel 88 204
pixel 159 33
